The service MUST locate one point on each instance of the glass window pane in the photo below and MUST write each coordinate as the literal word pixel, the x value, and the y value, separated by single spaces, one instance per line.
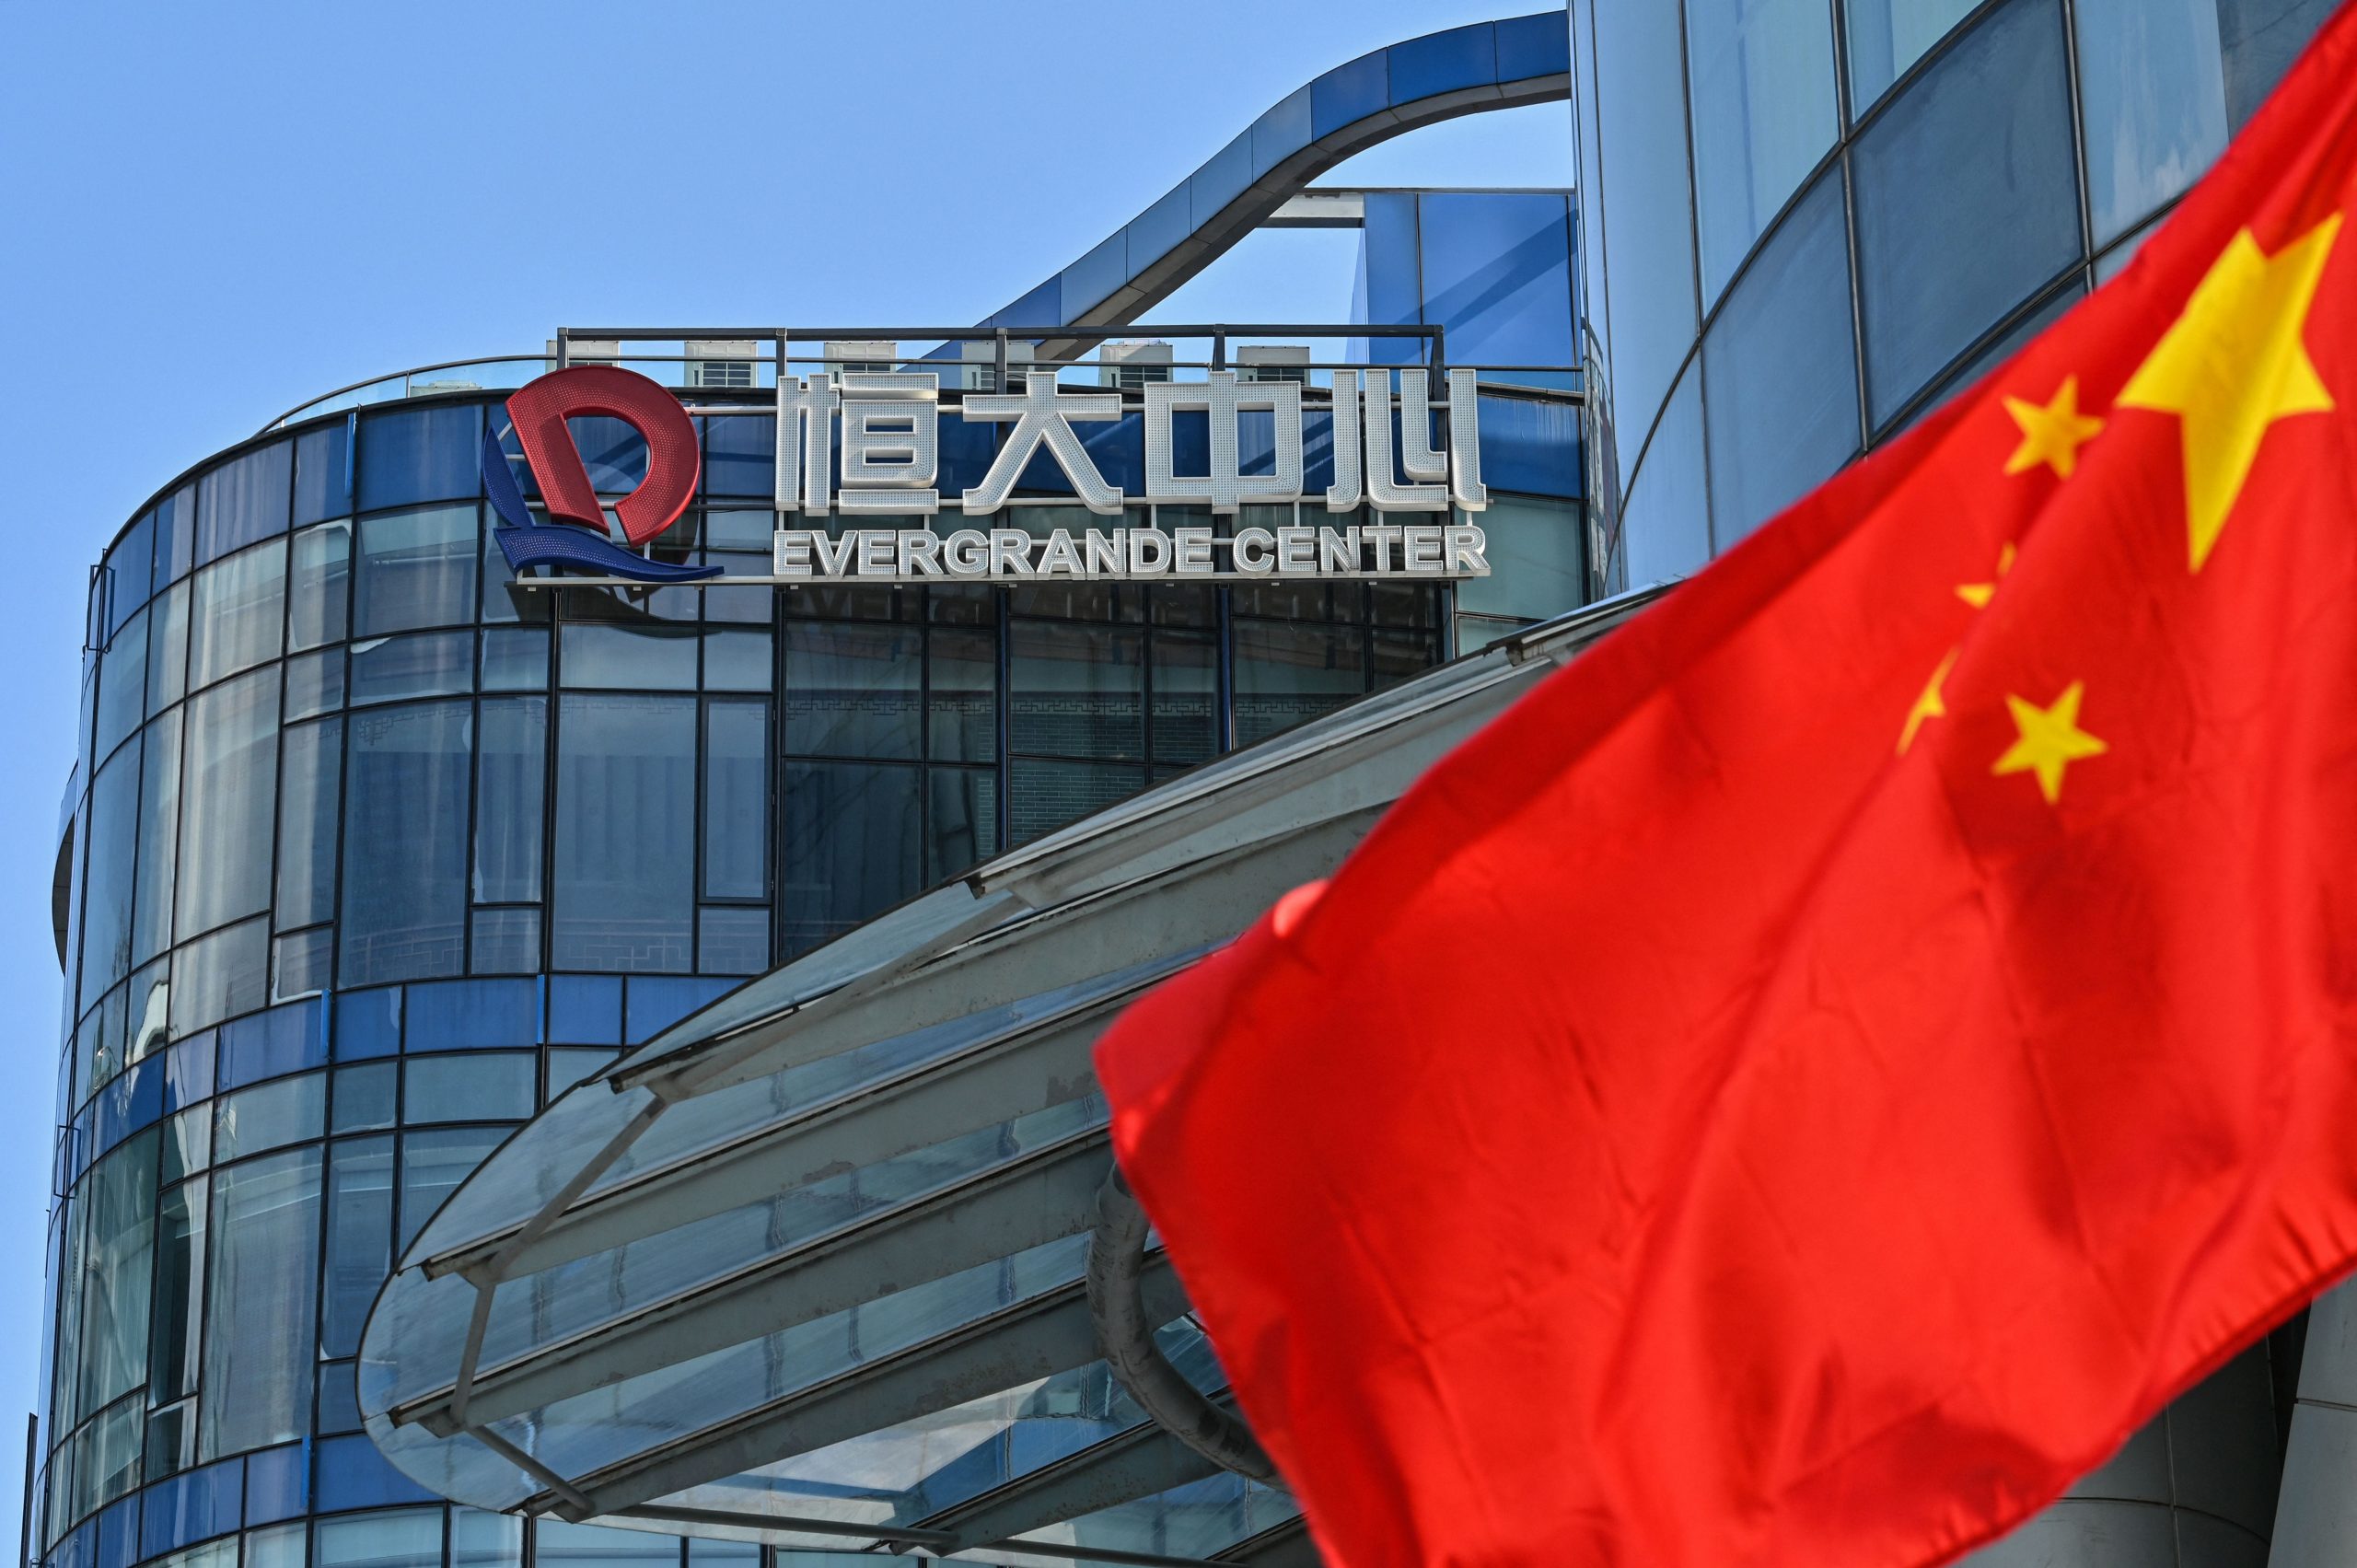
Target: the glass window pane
pixel 266 1240
pixel 1496 271
pixel 405 844
pixel 1076 691
pixel 1538 564
pixel 314 684
pixel 236 617
pixel 229 796
pixel 1665 519
pixel 269 1116
pixel 506 941
pixel 434 1163
pixel 159 818
pixel 1780 377
pixel 243 501
pixel 359 1238
pixel 129 564
pixel 1287 674
pixel 1764 114
pixel 850 847
pixel 416 569
pixel 736 800
pixel 1648 241
pixel 737 661
pixel 625 851
pixel 511 769
pixel 318 607
pixel 221 976
pixel 310 772
pixel 556 1544
pixel 1887 36
pixel 1044 796
pixel 122 686
pixel 1951 235
pixel 961 822
pixel 851 690
pixel 420 455
pixel 492 1085
pixel 628 658
pixel 323 472
pixel 1186 697
pixel 732 940
pixel 425 664
pixel 111 827
pixel 962 695
pixel 516 659
pixel 484 1540
pixel 179 1315
pixel 118 1201
pixel 2261 38
pixel 2153 91
pixel 392 1538
pixel 302 963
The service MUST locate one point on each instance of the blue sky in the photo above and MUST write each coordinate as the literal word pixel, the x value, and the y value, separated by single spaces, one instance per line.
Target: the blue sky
pixel 210 213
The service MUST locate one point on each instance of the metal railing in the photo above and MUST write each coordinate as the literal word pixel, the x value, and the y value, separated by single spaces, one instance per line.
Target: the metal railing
pixel 916 348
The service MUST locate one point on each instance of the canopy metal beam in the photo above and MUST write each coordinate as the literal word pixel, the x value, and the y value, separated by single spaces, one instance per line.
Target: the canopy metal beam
pixel 1129 1465
pixel 1040 1196
pixel 1049 1334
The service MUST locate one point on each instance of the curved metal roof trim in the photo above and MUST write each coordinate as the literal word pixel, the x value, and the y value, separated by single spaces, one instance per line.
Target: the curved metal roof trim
pixel 1467 70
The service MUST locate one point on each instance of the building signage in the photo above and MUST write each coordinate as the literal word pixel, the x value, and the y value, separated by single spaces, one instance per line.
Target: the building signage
pixel 859 444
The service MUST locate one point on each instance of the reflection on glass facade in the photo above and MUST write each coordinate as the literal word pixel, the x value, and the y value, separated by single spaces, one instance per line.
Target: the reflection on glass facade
pixel 1815 222
pixel 378 851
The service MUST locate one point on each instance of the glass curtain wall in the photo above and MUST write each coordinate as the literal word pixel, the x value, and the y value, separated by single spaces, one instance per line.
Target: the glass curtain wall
pixel 379 851
pixel 1810 221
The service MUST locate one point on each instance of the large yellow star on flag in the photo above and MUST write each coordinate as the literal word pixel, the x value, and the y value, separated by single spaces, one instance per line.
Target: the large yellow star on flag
pixel 2050 740
pixel 2232 365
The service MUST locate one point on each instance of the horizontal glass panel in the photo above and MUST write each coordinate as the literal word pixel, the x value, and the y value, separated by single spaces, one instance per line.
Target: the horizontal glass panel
pixel 851 690
pixel 269 1116
pixel 628 658
pixel 238 613
pixel 415 569
pixel 486 1086
pixel 1285 674
pixel 424 664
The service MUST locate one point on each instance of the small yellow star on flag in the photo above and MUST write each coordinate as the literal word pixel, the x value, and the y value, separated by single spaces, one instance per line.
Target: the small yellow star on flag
pixel 1930 705
pixel 2050 740
pixel 2053 432
pixel 2232 365
pixel 1977 595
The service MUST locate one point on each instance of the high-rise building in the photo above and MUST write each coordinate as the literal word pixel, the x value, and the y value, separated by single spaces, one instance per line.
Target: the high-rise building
pixel 1805 224
pixel 376 850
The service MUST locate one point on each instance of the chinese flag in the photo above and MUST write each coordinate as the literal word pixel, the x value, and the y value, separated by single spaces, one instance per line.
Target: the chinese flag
pixel 1810 1079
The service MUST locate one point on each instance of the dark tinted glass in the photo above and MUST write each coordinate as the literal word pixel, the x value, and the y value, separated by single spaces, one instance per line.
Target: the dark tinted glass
pixel 851 690
pixel 736 800
pixel 1780 377
pixel 850 847
pixel 1968 202
pixel 159 817
pixel 1186 697
pixel 405 843
pixel 961 820
pixel 1286 673
pixel 110 829
pixel 420 455
pixel 1044 796
pixel 1075 691
pixel 625 897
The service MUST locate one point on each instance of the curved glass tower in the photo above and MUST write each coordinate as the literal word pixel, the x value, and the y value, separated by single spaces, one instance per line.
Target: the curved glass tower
pixel 372 852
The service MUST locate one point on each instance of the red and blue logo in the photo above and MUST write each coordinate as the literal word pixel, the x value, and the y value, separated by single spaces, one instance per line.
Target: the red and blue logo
pixel 575 533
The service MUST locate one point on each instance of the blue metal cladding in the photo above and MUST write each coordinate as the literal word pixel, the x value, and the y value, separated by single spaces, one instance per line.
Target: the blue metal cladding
pixel 1359 101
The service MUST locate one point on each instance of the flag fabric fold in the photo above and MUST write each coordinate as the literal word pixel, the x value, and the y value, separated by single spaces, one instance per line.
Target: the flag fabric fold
pixel 1810 1079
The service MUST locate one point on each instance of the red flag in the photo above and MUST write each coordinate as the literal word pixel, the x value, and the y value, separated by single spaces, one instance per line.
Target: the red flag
pixel 1807 1082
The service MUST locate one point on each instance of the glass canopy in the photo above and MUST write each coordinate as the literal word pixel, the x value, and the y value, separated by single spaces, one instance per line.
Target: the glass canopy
pixel 810 1267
